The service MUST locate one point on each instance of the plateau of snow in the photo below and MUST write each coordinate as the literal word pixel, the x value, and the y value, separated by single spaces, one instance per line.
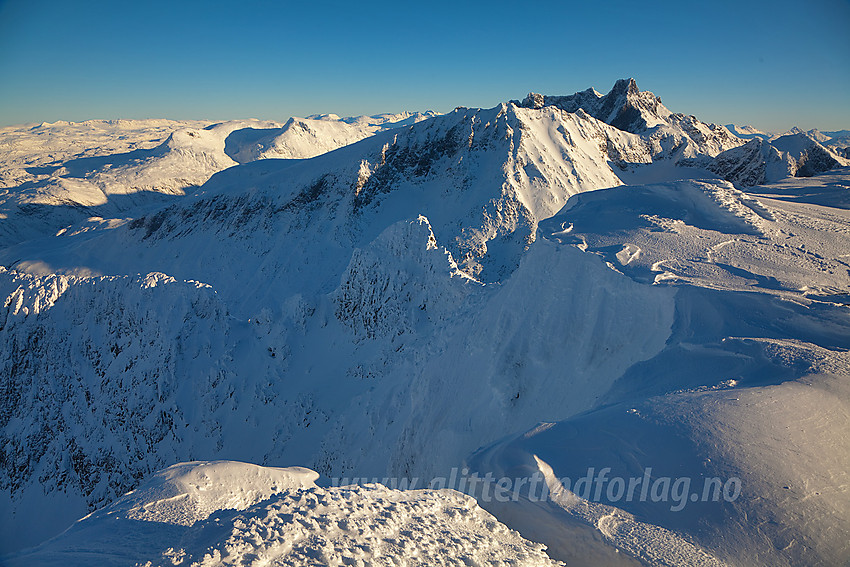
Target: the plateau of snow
pixel 541 288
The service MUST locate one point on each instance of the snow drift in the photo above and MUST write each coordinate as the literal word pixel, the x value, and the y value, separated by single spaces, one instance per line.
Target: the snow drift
pixel 388 308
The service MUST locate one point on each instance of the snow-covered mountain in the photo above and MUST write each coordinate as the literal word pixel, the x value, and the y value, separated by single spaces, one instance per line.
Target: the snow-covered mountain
pixel 494 173
pixel 308 137
pixel 747 132
pixel 709 148
pixel 55 175
pixel 760 161
pixel 418 302
pixel 839 141
pixel 666 134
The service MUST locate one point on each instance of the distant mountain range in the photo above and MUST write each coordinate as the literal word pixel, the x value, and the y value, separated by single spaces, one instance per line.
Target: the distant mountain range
pixel 540 288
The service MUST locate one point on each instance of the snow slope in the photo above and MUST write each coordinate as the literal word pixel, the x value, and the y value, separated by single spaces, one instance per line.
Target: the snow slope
pixel 228 513
pixel 667 134
pixel 785 443
pixel 38 196
pixel 389 308
pixel 308 137
pixel 762 161
pixel 55 175
pixel 747 132
pixel 751 384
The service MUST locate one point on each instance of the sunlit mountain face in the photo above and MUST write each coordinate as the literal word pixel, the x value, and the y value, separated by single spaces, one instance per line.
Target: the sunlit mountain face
pixel 582 329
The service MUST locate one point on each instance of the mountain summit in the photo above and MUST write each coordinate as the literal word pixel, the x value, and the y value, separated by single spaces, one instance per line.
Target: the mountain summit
pixel 628 108
pixel 526 291
pixel 624 107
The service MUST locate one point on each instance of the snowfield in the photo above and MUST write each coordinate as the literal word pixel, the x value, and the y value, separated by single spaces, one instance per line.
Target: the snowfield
pixel 54 175
pixel 575 287
pixel 228 513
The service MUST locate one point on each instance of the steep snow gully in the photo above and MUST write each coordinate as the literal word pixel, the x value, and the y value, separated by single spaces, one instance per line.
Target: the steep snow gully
pixel 578 329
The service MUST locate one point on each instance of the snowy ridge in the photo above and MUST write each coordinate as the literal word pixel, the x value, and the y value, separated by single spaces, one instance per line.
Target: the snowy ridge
pixel 135 163
pixel 754 163
pixel 667 134
pixel 761 161
pixel 308 137
pixel 265 515
pixel 124 359
pixel 373 302
pixel 390 307
pixel 187 493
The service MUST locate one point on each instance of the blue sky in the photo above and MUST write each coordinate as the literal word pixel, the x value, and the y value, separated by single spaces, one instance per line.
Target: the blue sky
pixel 773 63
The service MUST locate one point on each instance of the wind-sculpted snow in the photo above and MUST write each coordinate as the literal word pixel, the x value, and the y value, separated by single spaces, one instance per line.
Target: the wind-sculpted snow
pixel 386 309
pixel 240 514
pixel 188 493
pixel 711 235
pixel 750 388
pixel 757 473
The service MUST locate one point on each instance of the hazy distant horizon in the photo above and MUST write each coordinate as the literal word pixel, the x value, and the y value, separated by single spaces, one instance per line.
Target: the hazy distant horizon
pixel 282 120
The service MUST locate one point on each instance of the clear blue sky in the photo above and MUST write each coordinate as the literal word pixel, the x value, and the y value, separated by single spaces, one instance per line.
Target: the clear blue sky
pixel 772 63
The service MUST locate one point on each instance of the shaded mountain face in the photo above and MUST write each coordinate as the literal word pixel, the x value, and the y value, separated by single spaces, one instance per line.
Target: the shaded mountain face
pixel 760 161
pixel 808 155
pixel 691 142
pixel 61 174
pixel 629 109
pixel 624 107
pixel 392 306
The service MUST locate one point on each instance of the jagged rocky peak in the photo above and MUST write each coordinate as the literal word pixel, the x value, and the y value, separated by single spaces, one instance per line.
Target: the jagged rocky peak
pixel 668 135
pixel 534 100
pixel 629 109
pixel 626 107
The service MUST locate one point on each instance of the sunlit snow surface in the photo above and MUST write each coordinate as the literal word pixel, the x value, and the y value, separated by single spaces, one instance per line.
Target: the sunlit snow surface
pixel 416 302
pixel 56 174
pixel 229 513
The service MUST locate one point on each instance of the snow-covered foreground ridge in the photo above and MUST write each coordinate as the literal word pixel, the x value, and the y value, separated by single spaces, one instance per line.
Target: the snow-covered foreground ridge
pixel 228 513
pixel 416 304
